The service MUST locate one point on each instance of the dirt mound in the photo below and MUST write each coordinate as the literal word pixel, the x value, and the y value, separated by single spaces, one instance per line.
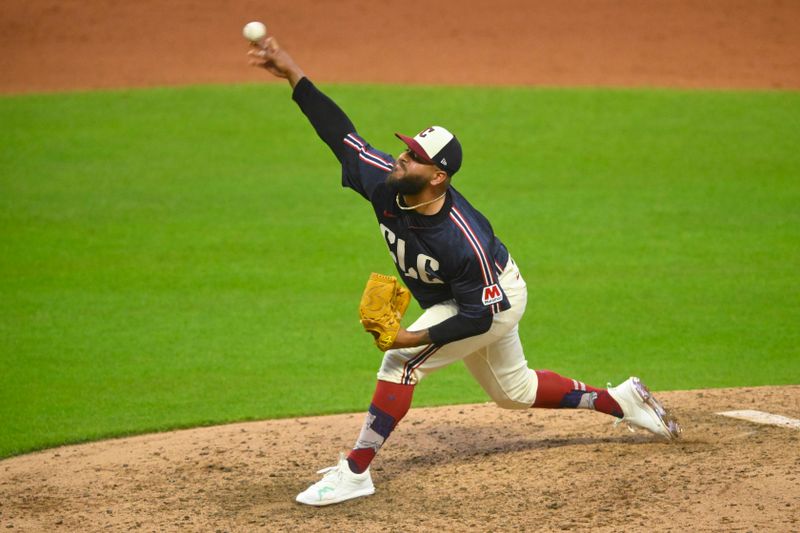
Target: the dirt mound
pixel 50 45
pixel 459 468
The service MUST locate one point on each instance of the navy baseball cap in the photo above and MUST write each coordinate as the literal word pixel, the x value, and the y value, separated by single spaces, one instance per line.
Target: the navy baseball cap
pixel 437 146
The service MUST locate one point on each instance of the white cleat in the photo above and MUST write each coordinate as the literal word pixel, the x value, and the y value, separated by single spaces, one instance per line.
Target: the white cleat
pixel 641 409
pixel 337 485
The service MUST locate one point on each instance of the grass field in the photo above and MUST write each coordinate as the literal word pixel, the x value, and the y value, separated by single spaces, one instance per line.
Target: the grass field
pixel 177 257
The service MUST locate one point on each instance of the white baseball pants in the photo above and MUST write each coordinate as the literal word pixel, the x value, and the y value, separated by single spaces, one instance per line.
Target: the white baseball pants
pixel 495 358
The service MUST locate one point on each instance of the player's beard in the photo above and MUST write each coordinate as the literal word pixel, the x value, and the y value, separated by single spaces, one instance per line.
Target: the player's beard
pixel 409 184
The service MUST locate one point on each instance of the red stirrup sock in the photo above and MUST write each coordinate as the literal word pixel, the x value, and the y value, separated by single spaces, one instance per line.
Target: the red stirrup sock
pixel 389 404
pixel 557 392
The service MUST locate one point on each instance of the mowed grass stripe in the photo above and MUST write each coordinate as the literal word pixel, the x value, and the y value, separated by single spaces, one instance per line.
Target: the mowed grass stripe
pixel 175 257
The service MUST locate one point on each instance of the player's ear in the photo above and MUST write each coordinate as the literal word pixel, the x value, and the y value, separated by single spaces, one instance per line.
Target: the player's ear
pixel 439 177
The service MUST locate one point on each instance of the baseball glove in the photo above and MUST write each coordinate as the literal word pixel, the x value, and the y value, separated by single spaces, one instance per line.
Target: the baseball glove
pixel 382 306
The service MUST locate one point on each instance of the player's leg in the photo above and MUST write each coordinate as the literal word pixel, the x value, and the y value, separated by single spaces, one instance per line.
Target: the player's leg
pixel 400 371
pixel 389 405
pixel 501 369
pixel 554 391
pixel 507 380
pixel 351 478
pixel 631 402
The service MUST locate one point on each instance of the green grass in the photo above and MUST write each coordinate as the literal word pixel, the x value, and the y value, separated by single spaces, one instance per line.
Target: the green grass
pixel 177 257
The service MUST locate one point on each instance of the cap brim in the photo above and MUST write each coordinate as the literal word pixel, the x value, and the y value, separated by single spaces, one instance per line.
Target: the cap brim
pixel 415 147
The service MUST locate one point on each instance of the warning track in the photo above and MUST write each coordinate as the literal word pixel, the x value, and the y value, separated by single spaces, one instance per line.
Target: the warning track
pixel 51 45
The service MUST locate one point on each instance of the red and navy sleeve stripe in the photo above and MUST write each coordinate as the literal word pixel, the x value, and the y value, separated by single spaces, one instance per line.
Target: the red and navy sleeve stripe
pixel 371 157
pixel 483 260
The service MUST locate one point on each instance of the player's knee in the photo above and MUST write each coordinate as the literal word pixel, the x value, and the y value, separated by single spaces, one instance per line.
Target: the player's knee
pixel 518 398
pixel 391 367
pixel 511 403
pixel 391 377
pixel 518 394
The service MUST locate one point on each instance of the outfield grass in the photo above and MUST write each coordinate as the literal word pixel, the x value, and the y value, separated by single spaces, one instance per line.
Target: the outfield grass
pixel 176 257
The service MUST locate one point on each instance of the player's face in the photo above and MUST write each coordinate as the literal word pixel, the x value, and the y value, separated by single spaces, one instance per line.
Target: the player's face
pixel 410 174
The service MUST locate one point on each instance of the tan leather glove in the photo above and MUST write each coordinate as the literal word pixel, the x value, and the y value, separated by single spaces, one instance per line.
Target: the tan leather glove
pixel 383 304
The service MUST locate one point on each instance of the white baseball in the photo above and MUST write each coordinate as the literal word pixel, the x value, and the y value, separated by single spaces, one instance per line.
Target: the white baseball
pixel 254 31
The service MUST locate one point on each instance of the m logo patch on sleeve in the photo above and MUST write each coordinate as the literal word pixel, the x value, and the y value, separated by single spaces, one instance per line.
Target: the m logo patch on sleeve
pixel 492 295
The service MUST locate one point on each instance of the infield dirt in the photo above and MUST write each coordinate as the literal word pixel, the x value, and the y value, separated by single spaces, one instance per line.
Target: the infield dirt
pixel 457 468
pixel 460 468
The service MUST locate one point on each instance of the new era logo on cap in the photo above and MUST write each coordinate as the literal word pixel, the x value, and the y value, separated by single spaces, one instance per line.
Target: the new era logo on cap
pixel 437 146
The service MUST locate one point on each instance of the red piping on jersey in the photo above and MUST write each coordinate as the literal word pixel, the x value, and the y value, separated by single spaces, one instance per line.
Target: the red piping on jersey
pixel 351 144
pixel 368 157
pixel 483 256
pixel 365 155
pixel 481 261
pixel 464 226
pixel 362 156
pixel 489 280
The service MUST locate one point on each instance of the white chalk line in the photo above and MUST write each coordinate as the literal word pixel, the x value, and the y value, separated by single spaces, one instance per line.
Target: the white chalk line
pixel 760 417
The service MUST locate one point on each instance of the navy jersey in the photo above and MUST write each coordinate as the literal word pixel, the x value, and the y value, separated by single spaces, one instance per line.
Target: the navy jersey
pixel 453 254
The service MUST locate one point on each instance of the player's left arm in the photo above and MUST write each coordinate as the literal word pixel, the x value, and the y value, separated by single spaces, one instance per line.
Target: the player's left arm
pixel 409 339
pixel 453 329
pixel 474 315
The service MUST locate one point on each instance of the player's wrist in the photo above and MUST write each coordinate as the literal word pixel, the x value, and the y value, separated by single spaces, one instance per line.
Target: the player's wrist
pixel 294 76
pixel 410 339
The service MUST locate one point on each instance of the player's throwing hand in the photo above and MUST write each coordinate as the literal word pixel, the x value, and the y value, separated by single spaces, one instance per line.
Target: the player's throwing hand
pixel 269 55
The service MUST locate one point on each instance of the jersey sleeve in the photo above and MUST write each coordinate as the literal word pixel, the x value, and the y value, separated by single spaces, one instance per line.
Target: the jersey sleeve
pixel 364 167
pixel 473 318
pixel 477 294
pixel 474 286
pixel 327 118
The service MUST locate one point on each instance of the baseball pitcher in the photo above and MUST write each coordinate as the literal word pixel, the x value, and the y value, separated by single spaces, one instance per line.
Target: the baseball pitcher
pixel 463 276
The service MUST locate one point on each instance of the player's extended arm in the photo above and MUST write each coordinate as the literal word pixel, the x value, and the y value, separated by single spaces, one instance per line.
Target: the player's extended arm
pixel 329 121
pixel 269 55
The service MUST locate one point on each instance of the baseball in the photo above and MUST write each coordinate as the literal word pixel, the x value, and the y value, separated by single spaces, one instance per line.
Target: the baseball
pixel 254 31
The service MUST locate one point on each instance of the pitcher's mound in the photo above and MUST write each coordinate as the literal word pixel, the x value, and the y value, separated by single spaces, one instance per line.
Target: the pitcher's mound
pixel 458 468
